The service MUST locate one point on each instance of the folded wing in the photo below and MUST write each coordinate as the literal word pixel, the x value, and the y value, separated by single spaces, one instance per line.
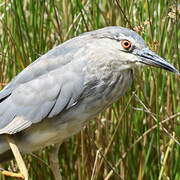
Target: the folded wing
pixel 44 96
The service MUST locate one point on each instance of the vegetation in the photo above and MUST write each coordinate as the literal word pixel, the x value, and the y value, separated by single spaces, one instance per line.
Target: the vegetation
pixel 137 138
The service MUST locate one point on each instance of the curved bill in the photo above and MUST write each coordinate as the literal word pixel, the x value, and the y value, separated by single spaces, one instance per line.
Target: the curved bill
pixel 148 57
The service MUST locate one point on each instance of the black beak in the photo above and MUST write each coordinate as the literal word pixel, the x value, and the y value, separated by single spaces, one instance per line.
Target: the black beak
pixel 148 57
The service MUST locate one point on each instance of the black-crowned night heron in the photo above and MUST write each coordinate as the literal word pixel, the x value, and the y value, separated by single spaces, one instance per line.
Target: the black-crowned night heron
pixel 54 97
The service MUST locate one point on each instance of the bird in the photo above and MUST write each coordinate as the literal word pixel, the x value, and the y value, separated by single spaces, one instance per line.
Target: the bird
pixel 53 98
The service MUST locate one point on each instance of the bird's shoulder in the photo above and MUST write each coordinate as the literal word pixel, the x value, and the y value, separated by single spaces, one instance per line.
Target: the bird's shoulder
pixel 57 58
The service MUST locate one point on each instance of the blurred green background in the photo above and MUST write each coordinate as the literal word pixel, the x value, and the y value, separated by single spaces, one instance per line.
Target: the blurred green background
pixel 138 137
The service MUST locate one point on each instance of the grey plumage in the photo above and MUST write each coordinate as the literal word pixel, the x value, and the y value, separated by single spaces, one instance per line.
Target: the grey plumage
pixel 54 97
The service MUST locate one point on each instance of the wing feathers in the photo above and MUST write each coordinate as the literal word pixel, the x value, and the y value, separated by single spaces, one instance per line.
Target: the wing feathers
pixel 42 97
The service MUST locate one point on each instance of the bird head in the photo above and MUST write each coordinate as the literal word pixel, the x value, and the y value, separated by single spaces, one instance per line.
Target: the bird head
pixel 129 47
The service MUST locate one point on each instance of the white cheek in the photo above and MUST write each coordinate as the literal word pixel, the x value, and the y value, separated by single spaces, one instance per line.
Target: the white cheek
pixel 131 65
pixel 129 61
pixel 139 64
pixel 126 66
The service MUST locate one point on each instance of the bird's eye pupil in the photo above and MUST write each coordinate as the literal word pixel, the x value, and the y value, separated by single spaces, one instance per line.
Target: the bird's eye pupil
pixel 126 44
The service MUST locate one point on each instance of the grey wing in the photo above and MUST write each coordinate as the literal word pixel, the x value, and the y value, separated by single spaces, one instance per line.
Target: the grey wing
pixel 55 58
pixel 45 96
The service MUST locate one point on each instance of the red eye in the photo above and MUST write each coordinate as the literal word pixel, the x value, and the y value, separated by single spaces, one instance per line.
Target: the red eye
pixel 126 44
